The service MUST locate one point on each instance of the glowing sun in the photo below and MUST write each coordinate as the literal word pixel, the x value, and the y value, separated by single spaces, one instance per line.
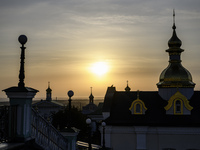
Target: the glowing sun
pixel 99 68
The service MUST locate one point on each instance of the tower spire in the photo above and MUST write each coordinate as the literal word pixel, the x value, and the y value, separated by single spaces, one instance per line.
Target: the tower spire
pixel 91 97
pixel 175 75
pixel 174 26
pixel 127 89
pixel 48 93
pixel 138 94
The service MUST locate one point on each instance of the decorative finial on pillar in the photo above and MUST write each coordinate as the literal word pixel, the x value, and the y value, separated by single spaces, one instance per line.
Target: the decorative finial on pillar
pixel 22 39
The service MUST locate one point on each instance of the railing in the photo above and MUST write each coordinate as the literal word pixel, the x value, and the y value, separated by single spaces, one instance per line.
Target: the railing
pixel 84 146
pixel 46 135
pixel 4 113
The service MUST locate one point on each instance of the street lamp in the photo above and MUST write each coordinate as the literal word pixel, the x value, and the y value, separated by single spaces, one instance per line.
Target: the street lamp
pixel 103 124
pixel 88 122
pixel 70 94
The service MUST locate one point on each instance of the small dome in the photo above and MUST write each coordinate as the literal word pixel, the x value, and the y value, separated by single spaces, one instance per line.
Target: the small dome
pixel 91 96
pixel 48 90
pixel 127 89
pixel 174 41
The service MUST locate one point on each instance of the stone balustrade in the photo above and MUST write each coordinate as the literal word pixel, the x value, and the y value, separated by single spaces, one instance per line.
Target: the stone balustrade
pixel 46 135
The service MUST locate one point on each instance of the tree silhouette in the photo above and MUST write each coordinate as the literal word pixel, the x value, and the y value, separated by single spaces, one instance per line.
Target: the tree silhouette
pixel 61 120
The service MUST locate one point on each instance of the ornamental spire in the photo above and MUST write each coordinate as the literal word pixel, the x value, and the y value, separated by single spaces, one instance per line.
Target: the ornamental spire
pixel 91 97
pixel 175 75
pixel 174 26
pixel 138 94
pixel 127 89
pixel 48 93
pixel 174 41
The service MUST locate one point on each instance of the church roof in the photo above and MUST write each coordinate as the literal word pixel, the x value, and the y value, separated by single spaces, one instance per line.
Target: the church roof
pixel 155 114
pixel 89 108
pixel 151 108
pixel 98 111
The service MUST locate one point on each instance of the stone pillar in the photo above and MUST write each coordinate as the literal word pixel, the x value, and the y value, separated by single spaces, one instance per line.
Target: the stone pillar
pixel 20 112
pixel 20 102
pixel 141 132
pixel 71 135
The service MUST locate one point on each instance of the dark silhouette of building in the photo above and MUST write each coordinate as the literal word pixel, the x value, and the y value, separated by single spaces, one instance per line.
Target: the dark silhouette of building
pixel 156 120
pixel 91 107
pixel 48 107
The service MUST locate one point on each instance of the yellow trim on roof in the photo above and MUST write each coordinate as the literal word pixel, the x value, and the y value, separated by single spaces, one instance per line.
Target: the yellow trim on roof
pixel 135 102
pixel 178 96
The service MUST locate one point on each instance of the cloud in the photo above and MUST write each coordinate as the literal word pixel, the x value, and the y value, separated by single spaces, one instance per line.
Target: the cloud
pixel 65 36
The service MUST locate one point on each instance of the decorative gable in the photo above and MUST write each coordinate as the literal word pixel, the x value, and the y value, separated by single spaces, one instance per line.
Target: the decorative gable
pixel 178 104
pixel 138 107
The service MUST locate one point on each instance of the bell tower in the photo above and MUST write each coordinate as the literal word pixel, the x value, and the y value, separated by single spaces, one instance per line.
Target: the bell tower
pixel 48 93
pixel 175 76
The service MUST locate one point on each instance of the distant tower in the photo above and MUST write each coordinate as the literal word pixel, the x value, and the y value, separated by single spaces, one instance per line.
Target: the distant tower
pixel 48 93
pixel 175 75
pixel 91 97
pixel 127 89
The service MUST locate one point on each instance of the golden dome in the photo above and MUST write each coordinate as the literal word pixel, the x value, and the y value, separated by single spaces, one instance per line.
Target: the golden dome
pixel 175 75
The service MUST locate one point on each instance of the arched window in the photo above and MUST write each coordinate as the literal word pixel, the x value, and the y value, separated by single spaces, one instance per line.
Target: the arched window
pixel 138 108
pixel 178 107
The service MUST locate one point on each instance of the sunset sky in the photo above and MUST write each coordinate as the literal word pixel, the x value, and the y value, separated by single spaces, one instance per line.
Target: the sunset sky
pixel 67 37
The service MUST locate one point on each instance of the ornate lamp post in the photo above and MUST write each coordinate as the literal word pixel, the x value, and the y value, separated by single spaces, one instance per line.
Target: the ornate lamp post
pixel 88 122
pixel 68 132
pixel 103 124
pixel 20 98
pixel 70 94
pixel 22 39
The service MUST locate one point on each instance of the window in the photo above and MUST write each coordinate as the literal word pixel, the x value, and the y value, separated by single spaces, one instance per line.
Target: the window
pixel 138 108
pixel 178 106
